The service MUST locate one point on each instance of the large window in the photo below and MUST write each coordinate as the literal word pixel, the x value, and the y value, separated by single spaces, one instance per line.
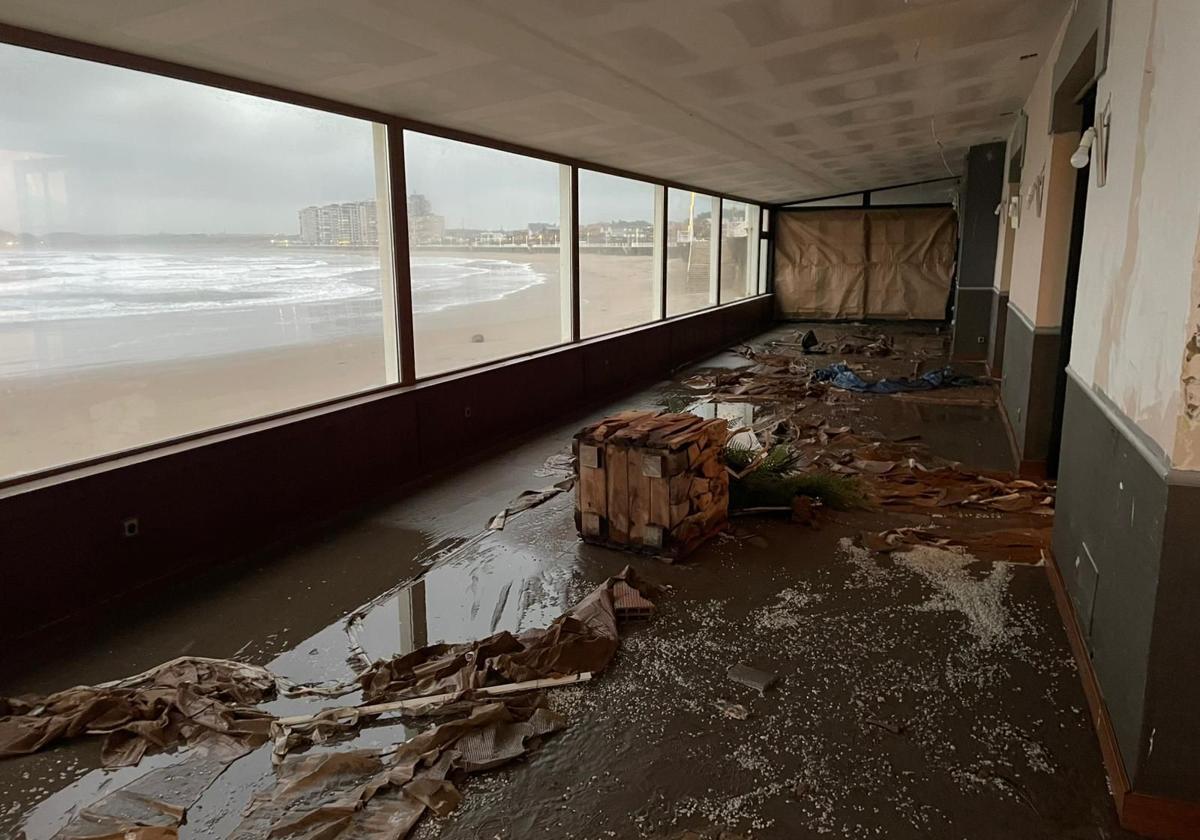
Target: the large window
pixel 175 258
pixel 691 252
pixel 490 272
pixel 739 250
pixel 617 267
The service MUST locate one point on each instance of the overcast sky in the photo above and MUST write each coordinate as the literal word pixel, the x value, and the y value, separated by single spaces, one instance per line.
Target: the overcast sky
pixel 128 152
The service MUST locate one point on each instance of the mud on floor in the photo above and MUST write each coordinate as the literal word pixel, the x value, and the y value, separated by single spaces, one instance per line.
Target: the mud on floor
pixel 921 693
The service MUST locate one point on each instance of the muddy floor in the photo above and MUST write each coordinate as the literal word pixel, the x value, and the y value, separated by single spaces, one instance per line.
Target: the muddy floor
pixel 921 694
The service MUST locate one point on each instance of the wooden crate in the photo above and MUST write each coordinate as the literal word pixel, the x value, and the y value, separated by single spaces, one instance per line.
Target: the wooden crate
pixel 651 481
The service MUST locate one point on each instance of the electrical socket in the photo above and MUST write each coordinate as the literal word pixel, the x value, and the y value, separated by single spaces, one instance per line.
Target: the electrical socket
pixel 130 527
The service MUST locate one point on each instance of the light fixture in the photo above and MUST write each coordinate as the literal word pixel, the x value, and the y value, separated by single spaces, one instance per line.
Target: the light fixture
pixel 1084 153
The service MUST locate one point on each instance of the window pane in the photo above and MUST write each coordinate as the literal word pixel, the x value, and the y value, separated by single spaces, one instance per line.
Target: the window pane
pixel 739 250
pixel 488 273
pixel 616 253
pixel 689 252
pixel 175 258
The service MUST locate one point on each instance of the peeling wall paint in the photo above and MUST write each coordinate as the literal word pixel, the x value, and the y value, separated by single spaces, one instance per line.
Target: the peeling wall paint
pixel 1137 325
pixel 1137 312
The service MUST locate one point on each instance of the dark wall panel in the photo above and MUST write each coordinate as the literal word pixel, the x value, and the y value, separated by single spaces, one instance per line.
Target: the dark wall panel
pixel 1108 528
pixel 1027 387
pixel 996 332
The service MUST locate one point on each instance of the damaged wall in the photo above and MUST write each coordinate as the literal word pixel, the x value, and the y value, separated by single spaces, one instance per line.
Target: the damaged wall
pixel 1128 498
pixel 1138 273
pixel 1031 324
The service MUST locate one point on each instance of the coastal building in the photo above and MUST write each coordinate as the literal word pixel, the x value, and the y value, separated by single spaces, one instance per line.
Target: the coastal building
pixel 353 223
pixel 916 283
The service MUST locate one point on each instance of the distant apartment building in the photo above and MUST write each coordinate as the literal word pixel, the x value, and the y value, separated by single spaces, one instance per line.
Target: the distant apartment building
pixel 351 223
pixel 424 226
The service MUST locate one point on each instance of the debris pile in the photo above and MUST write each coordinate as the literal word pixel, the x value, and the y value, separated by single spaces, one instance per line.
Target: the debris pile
pixel 185 701
pixel 652 481
pixel 374 794
pixel 486 695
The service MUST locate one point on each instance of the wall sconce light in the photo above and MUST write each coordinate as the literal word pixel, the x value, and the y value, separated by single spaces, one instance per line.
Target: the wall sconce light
pixel 1084 153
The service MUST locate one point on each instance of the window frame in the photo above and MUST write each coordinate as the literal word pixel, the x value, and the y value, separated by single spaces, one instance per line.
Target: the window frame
pixel 394 128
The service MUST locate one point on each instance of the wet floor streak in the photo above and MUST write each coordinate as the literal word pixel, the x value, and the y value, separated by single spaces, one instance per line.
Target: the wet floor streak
pixel 914 701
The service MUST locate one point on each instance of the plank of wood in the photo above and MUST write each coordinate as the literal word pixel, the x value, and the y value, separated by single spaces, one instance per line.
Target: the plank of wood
pixel 660 502
pixel 417 702
pixel 660 435
pixel 680 486
pixel 639 497
pixel 617 459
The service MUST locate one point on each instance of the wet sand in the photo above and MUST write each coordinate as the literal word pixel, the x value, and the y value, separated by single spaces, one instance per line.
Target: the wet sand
pixel 994 737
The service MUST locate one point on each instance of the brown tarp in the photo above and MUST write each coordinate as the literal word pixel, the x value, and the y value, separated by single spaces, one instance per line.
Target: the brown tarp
pixel 181 702
pixel 368 795
pixel 584 639
pixel 850 263
pixel 153 806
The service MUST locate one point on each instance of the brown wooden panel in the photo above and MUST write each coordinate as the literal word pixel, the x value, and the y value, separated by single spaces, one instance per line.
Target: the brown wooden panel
pixel 617 473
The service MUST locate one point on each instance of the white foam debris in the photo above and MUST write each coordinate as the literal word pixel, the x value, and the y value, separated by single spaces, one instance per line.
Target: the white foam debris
pixel 980 599
pixel 789 612
pixel 866 572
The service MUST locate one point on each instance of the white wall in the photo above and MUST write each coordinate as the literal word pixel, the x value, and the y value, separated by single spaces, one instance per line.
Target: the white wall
pixel 1139 282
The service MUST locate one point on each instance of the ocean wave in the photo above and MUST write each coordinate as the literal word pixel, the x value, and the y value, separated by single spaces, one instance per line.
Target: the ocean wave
pixel 63 285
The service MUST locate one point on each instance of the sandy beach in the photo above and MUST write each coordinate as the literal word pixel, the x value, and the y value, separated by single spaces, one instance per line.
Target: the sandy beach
pixel 59 418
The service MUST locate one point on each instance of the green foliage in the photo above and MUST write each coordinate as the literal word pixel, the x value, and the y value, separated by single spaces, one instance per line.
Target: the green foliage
pixel 774 482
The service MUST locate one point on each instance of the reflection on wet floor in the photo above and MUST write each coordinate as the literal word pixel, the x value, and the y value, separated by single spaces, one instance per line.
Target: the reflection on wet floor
pixel 851 635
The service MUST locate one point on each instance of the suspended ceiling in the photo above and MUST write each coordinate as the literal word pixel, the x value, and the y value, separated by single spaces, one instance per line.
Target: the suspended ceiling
pixel 770 99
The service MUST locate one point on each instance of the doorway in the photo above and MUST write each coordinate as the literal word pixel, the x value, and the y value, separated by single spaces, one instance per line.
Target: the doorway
pixel 1070 288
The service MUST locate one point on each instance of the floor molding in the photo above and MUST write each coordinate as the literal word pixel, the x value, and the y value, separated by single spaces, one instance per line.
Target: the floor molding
pixel 1151 816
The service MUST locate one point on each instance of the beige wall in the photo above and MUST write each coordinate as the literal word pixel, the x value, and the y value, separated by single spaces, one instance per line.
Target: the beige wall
pixel 1040 241
pixel 1139 282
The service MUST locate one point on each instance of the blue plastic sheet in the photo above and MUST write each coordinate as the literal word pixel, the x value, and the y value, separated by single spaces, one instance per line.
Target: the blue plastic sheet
pixel 839 375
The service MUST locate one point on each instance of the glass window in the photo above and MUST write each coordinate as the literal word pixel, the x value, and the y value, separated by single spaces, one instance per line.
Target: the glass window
pixel 739 250
pixel 617 271
pixel 490 278
pixel 690 252
pixel 175 258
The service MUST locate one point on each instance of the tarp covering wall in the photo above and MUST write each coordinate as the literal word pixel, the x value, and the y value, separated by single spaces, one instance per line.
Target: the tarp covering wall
pixel 865 263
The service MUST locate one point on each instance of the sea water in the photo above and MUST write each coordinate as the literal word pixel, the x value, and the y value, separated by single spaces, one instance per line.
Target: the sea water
pixel 63 310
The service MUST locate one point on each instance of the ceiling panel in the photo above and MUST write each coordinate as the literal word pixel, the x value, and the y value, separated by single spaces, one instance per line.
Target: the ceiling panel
pixel 773 99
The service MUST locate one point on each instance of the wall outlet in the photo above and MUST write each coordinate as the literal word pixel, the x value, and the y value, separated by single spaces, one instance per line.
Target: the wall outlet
pixel 130 527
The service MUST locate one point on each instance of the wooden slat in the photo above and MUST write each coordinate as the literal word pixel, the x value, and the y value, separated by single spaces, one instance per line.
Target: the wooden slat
pixel 617 472
pixel 639 497
pixel 660 502
pixel 593 490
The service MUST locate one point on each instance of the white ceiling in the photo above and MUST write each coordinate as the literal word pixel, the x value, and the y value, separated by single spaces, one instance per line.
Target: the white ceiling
pixel 769 99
